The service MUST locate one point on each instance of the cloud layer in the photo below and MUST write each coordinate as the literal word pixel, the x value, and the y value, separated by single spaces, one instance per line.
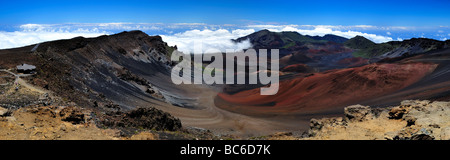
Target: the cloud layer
pixel 19 39
pixel 189 35
pixel 208 40
pixel 34 33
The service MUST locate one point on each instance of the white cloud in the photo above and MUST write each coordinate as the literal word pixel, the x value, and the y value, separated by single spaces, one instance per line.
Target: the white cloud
pixel 365 26
pixel 190 24
pixel 210 39
pixel 400 28
pixel 210 36
pixel 273 28
pixel 184 34
pixel 357 27
pixel 36 33
pixel 126 26
pixel 321 30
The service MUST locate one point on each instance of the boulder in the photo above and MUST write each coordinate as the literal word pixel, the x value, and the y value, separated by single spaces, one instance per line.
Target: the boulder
pixel 410 120
pixel 445 133
pixel 422 134
pixel 142 118
pixel 315 124
pixel 415 103
pixel 3 112
pixel 398 111
pixel 409 133
pixel 72 114
pixel 429 122
pixel 151 118
pixel 391 136
pixel 357 112
pixel 318 124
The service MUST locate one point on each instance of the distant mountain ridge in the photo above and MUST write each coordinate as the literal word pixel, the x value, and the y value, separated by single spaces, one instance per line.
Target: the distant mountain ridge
pixel 368 49
pixel 267 39
pixel 319 52
pixel 330 38
pixel 290 41
pixel 318 72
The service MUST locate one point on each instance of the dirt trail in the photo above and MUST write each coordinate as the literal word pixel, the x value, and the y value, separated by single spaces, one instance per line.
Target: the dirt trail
pixel 224 122
pixel 29 86
pixel 23 83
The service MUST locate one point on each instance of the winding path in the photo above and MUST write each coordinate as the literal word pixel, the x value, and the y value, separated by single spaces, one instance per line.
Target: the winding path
pixel 23 83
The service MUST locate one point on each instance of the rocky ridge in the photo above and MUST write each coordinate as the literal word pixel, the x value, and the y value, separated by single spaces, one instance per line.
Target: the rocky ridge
pixel 411 120
pixel 39 122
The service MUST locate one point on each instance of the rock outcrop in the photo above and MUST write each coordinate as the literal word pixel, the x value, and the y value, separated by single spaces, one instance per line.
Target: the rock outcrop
pixel 142 118
pixel 74 123
pixel 411 120
pixel 3 111
pixel 52 123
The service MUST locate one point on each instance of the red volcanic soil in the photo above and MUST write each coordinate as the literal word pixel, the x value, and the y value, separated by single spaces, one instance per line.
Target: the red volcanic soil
pixel 327 91
pixel 353 61
pixel 301 68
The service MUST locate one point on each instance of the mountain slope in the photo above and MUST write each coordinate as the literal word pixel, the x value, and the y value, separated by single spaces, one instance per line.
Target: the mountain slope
pixel 125 69
pixel 368 49
pixel 330 38
pixel 266 39
pixel 327 91
pixel 414 46
pixel 114 74
pixel 317 83
pixel 320 53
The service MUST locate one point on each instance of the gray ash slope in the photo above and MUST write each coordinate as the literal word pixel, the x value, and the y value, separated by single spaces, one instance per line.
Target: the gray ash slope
pixel 123 71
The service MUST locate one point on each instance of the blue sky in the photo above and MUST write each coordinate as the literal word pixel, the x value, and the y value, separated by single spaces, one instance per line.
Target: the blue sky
pixel 323 12
pixel 180 22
